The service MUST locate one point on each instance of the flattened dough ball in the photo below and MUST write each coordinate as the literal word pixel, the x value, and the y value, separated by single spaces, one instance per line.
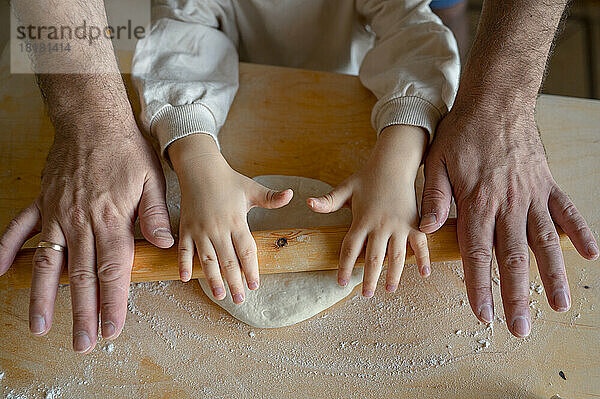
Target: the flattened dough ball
pixel 289 298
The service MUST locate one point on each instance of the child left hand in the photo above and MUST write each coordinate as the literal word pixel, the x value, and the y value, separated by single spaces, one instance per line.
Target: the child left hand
pixel 384 209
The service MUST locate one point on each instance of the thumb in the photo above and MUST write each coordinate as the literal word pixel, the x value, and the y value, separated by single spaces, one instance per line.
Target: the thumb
pixel 332 201
pixel 437 195
pixel 270 199
pixel 154 217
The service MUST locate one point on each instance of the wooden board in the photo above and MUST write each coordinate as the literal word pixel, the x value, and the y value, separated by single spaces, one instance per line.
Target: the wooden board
pixel 176 343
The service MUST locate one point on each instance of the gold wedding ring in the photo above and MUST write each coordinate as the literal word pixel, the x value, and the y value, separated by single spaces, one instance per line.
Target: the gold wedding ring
pixel 51 245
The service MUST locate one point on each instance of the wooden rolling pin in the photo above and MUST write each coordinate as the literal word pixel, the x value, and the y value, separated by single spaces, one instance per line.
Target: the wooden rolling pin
pixel 279 251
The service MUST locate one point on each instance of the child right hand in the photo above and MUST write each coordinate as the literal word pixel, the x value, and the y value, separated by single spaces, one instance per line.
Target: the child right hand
pixel 214 202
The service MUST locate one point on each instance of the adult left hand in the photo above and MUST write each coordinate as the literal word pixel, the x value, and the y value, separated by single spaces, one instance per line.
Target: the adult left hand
pixel 495 166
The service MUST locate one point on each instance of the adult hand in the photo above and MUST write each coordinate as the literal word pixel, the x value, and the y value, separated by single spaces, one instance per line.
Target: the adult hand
pixel 100 174
pixel 493 161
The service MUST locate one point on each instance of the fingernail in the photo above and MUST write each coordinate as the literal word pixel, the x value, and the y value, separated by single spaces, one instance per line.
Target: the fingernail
pixel 367 293
pixel 426 271
pixel 391 287
pixel 592 250
pixel 253 285
pixel 162 232
pixel 428 220
pixel 108 329
pixel 81 342
pixel 561 301
pixel 218 292
pixel 37 324
pixel 521 326
pixel 486 313
pixel 342 282
pixel 185 276
pixel 238 298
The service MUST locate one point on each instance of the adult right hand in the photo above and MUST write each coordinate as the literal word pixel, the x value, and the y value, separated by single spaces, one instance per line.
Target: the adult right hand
pixel 100 175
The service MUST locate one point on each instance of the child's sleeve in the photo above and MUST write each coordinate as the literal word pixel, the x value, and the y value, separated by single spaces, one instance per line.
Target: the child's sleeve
pixel 414 66
pixel 186 69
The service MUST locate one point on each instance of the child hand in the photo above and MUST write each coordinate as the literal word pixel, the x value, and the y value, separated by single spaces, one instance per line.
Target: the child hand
pixel 384 209
pixel 214 202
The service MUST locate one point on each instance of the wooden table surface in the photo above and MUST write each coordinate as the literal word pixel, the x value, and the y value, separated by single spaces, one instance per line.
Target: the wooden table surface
pixel 421 342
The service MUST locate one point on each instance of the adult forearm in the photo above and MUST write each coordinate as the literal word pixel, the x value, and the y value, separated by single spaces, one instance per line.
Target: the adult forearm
pixel 510 51
pixel 84 80
pixel 86 103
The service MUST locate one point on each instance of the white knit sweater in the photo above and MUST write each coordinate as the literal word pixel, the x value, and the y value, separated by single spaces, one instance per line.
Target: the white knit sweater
pixel 186 69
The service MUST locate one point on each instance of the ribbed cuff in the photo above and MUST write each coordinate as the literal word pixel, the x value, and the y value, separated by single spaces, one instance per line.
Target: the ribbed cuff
pixel 172 123
pixel 413 111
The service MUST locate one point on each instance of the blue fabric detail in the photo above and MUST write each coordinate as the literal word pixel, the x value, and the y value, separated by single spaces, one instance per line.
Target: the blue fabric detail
pixel 438 4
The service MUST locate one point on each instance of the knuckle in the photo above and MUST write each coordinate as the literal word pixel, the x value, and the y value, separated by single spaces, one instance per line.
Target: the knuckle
pixel 516 262
pixel 374 261
pixel 579 226
pixel 239 223
pixel 433 194
pixel 78 217
pixel 247 254
pixel 154 210
pixel 13 225
pixel 81 317
pixel 420 243
pixel 330 198
pixel 396 257
pixel 185 255
pixel 481 290
pixel 556 274
pixel 110 272
pixel 108 216
pixel 546 240
pixel 477 257
pixel 479 202
pixel 270 196
pixel 43 263
pixel 207 260
pixel 82 277
pixel 381 225
pixel 516 301
pixel 116 242
pixel 229 265
pixel 184 251
pixel 569 210
pixel 347 251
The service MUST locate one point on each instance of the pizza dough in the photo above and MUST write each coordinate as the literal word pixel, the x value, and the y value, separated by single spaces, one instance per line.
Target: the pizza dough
pixel 286 298
pixel 289 298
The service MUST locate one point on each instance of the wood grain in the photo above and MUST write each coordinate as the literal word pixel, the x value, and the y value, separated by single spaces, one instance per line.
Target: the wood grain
pixel 279 251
